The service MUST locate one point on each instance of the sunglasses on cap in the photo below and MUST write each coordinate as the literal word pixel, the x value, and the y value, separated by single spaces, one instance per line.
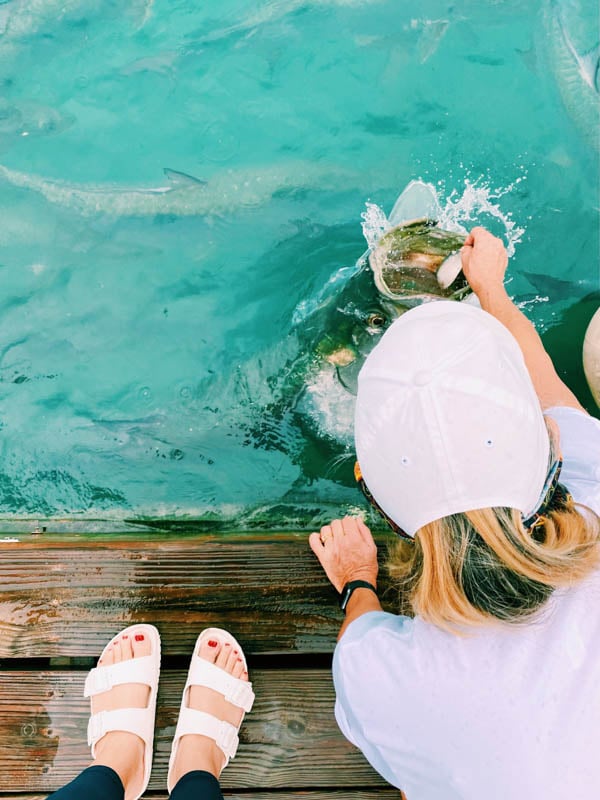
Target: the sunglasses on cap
pixel 551 491
pixel 375 505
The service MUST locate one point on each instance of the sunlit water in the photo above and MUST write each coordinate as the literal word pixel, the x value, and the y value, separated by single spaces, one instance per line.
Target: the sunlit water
pixel 153 343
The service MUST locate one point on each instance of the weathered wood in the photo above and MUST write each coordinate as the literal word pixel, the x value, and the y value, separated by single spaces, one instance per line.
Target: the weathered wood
pixel 289 740
pixel 67 598
pixel 323 794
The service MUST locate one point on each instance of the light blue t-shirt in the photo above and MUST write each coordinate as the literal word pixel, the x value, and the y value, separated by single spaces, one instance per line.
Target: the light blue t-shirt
pixel 505 713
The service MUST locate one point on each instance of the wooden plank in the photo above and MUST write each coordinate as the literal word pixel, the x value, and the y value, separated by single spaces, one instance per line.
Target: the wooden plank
pixel 323 794
pixel 289 740
pixel 67 598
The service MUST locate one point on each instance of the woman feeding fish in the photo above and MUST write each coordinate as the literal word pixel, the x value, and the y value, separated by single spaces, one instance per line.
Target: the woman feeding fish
pixel 488 469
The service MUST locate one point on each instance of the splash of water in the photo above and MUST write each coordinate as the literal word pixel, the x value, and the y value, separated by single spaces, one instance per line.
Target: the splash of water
pixel 478 203
pixel 374 224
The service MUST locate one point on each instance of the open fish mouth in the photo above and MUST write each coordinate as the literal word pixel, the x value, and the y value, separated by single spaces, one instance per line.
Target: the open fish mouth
pixel 417 261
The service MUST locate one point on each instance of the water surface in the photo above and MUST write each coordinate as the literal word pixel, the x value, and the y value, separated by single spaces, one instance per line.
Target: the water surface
pixel 148 350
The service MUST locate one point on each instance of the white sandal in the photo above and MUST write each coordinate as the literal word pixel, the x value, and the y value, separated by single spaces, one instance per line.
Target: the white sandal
pixel 235 691
pixel 140 721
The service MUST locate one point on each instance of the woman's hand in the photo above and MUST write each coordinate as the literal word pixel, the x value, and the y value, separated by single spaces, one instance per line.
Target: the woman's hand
pixel 484 259
pixel 346 551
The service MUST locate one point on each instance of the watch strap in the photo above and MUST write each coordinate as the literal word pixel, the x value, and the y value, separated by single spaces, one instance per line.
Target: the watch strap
pixel 349 588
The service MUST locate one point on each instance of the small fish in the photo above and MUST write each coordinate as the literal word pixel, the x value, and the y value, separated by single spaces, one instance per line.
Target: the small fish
pixel 432 33
pixel 162 63
pixel 27 118
pixel 554 287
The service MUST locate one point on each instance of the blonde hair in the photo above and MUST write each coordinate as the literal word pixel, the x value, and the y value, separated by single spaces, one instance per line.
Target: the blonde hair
pixel 480 566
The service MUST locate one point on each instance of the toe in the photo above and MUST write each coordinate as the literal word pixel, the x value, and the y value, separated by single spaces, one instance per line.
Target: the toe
pixel 223 657
pixel 238 669
pixel 209 649
pixel 126 651
pixel 140 644
pixel 232 660
pixel 109 656
pixel 116 649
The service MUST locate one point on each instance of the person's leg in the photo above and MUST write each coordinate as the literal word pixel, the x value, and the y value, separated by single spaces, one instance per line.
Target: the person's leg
pixel 94 783
pixel 197 785
pixel 120 751
pixel 199 760
pixel 119 756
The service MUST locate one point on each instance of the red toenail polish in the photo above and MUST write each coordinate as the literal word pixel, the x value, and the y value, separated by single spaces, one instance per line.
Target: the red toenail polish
pixel 235 652
pixel 239 659
pixel 126 637
pixel 139 637
pixel 212 643
pixel 226 644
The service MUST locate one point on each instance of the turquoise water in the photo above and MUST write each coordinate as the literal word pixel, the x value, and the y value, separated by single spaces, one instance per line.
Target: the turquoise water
pixel 153 359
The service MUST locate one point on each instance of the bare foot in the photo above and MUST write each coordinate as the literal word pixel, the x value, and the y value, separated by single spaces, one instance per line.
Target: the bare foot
pixel 123 752
pixel 200 752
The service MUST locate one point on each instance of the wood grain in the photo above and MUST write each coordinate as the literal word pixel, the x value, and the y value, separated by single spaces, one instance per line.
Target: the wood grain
pixel 323 794
pixel 67 598
pixel 289 740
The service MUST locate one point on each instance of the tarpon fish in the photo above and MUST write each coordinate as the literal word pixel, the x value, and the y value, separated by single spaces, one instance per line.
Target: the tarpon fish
pixel 428 33
pixel 413 263
pixel 310 409
pixel 184 196
pixel 268 13
pixel 576 68
pixel 20 19
pixel 353 321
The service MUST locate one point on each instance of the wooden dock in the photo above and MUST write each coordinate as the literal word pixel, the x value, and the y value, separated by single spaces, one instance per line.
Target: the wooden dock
pixel 63 597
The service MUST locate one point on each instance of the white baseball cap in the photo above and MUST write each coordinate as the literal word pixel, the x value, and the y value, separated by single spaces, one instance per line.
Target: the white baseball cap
pixel 447 419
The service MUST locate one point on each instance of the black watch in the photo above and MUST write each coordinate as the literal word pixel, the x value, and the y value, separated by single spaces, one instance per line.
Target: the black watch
pixel 346 592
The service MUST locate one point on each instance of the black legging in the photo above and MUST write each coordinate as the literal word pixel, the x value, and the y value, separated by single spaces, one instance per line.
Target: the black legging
pixel 103 783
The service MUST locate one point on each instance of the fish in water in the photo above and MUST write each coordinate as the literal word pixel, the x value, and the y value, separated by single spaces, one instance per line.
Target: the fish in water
pixel 24 17
pixel 20 19
pixel 348 325
pixel 413 262
pixel 575 64
pixel 269 13
pixel 303 396
pixel 26 118
pixel 184 195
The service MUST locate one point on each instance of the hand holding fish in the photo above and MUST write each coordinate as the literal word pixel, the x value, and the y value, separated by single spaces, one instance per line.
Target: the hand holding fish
pixel 484 261
pixel 346 551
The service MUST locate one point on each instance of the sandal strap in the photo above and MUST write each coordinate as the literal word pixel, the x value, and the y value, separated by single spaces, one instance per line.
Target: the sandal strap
pixel 128 720
pixel 133 670
pixel 237 692
pixel 192 722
